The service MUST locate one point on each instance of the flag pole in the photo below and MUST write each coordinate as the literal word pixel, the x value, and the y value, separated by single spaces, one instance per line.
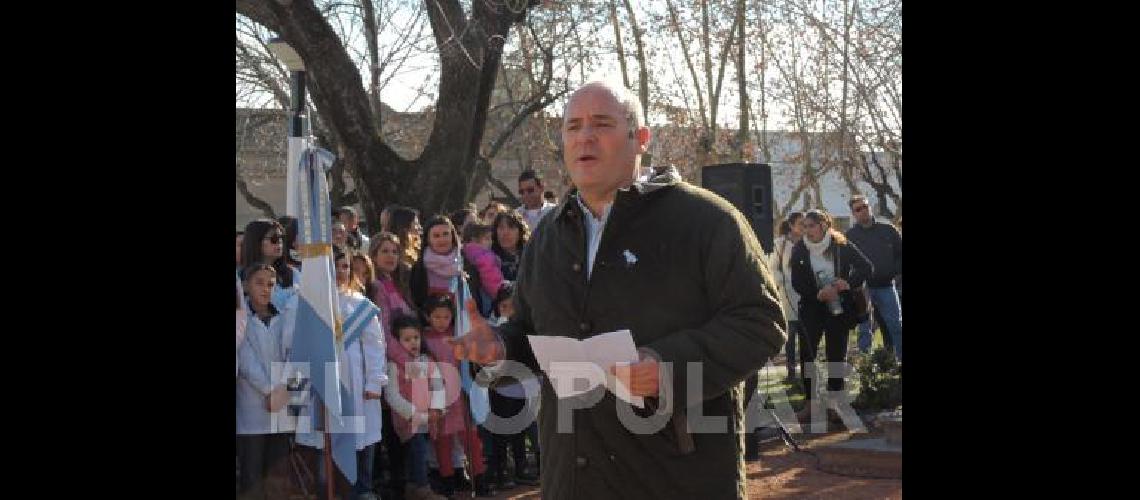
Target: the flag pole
pixel 461 307
pixel 329 477
pixel 471 456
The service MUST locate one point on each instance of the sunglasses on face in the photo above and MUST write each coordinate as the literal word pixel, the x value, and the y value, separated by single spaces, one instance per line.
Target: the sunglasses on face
pixel 274 239
pixel 860 208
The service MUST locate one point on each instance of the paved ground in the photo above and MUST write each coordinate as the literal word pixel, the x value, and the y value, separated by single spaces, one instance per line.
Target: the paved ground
pixel 784 474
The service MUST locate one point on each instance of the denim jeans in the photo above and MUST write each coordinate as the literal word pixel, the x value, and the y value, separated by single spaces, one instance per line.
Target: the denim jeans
pixel 885 300
pixel 416 454
pixel 867 331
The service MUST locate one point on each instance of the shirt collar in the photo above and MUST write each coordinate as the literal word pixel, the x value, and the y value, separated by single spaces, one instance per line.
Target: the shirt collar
pixel 586 210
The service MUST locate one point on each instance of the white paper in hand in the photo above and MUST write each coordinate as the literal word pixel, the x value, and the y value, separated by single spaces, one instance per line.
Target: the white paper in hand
pixel 573 360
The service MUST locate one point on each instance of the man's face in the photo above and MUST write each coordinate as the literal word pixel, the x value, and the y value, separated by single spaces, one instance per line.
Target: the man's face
pixel 599 148
pixel 531 193
pixel 862 212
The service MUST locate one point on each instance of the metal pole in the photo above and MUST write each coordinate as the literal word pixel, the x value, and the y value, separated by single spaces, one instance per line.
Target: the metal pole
pixel 296 142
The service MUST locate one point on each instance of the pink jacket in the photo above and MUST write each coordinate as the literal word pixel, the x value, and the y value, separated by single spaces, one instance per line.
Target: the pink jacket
pixel 436 343
pixel 419 388
pixel 489 266
pixel 391 303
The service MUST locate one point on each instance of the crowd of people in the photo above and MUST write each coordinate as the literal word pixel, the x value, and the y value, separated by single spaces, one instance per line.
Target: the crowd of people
pixel 831 282
pixel 415 420
pixel 424 434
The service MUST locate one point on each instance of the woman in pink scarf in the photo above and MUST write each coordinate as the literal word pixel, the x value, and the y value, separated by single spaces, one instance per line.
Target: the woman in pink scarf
pixel 440 260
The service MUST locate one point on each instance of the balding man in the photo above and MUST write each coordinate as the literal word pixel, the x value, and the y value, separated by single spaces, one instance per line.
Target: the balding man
pixel 681 269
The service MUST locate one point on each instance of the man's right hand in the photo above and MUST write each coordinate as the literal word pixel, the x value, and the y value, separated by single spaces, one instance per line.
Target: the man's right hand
pixel 480 345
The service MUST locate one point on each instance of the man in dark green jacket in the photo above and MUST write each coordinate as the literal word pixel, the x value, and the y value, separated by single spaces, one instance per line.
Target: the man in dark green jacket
pixel 681 269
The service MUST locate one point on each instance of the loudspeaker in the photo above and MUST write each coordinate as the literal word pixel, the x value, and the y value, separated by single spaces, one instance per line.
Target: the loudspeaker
pixel 748 186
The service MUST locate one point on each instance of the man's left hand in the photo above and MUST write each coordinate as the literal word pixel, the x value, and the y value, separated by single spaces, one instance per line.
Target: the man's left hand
pixel 641 378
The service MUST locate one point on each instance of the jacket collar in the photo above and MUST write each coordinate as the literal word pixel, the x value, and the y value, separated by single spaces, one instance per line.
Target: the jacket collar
pixel 660 178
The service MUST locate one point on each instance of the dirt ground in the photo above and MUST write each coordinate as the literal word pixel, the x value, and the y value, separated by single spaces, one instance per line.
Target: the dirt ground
pixel 784 474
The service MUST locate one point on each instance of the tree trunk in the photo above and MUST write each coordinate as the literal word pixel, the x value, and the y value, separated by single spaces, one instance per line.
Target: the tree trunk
pixel 643 70
pixel 372 36
pixel 470 52
pixel 692 69
pixel 742 140
pixel 617 40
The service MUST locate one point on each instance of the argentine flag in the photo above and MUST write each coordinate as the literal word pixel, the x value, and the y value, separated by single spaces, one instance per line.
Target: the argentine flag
pixel 318 337
pixel 478 396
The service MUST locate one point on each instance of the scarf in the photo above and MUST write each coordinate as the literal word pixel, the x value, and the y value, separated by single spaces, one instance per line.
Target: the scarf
pixel 446 266
pixel 819 248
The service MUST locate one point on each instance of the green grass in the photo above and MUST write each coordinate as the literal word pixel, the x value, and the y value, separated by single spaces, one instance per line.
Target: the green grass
pixel 876 339
pixel 778 391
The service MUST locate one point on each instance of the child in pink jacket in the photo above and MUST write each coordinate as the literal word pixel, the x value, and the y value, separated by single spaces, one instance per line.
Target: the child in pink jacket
pixel 477 251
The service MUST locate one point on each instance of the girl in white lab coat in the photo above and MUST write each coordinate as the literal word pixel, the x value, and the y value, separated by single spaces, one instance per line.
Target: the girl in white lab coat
pixel 262 429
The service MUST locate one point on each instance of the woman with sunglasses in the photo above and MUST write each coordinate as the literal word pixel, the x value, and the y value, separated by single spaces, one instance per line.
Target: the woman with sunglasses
pixel 827 270
pixel 264 242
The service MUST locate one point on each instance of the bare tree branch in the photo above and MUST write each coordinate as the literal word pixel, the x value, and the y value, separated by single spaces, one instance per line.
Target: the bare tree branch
pixel 251 198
